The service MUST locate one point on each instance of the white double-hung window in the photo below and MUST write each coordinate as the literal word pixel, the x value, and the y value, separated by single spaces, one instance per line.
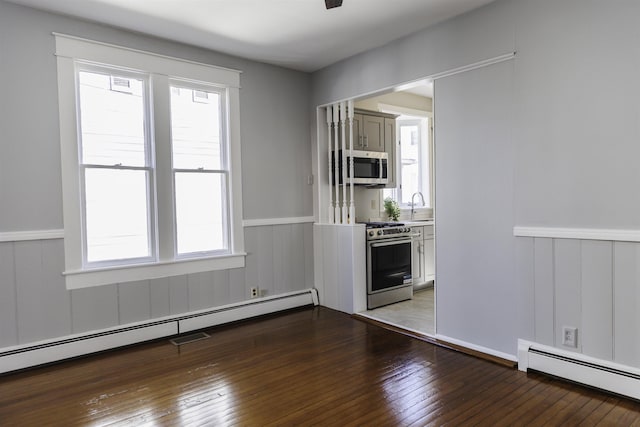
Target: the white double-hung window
pixel 150 151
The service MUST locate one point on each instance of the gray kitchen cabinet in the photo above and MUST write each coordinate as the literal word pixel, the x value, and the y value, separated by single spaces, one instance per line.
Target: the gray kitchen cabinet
pixel 373 133
pixel 357 133
pixel 417 258
pixel 369 131
pixel 429 253
pixel 422 258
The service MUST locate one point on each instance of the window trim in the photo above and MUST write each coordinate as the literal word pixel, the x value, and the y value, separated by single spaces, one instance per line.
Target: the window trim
pixel 160 68
pixel 423 154
pixel 426 149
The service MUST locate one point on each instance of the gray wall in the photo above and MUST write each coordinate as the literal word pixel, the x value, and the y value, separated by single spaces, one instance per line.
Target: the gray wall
pixel 276 160
pixel 577 126
pixel 274 120
pixel 475 247
pixel 469 38
pixel 573 122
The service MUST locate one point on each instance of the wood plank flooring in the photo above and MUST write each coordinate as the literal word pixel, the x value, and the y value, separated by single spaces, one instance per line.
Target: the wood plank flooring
pixel 313 366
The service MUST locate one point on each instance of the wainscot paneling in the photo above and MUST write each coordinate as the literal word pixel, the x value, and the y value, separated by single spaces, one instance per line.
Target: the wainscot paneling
pixel 36 306
pixel 43 304
pixel 592 285
pixel 159 296
pixel 134 302
pixel 626 291
pixel 8 306
pixel 543 290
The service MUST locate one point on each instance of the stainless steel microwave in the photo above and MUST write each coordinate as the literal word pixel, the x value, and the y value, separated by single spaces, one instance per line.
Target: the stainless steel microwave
pixel 369 167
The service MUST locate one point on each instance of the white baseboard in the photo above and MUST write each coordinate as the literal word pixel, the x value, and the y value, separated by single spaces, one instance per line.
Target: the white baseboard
pixel 470 346
pixel 251 308
pixel 602 374
pixel 74 347
pixel 53 350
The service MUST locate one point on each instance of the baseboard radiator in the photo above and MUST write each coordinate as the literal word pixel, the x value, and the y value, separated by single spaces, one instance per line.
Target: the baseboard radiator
pixel 34 354
pixel 605 375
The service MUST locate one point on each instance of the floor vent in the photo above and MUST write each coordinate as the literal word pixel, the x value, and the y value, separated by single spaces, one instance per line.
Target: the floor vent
pixel 186 339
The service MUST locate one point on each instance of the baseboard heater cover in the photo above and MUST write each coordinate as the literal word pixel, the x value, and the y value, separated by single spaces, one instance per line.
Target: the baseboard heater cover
pixel 231 314
pixel 605 375
pixel 54 350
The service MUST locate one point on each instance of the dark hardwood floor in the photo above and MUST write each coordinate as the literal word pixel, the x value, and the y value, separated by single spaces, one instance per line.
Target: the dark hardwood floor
pixel 308 367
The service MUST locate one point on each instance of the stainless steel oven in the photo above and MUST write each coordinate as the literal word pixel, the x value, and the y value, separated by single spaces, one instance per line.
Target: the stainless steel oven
pixel 389 277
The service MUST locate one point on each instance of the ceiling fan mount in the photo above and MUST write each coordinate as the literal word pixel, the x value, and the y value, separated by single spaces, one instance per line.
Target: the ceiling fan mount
pixel 332 3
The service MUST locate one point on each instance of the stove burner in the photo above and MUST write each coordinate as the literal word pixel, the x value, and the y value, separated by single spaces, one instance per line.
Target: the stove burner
pixel 383 224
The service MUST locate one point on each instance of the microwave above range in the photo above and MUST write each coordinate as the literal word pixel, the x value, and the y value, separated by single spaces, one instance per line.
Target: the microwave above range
pixel 369 167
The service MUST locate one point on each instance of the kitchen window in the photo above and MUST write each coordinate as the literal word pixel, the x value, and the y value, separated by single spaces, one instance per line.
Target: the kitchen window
pixel 414 163
pixel 151 164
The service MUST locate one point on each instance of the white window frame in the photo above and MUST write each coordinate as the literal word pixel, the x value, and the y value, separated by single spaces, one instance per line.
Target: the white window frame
pixel 426 159
pixel 161 70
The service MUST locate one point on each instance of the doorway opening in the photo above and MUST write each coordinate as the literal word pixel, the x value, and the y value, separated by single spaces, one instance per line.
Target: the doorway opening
pixel 413 191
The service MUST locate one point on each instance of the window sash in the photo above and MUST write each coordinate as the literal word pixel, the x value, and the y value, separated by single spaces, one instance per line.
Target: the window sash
pixel 151 238
pixel 150 224
pixel 224 211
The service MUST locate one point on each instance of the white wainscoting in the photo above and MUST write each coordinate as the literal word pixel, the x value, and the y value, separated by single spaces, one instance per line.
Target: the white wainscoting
pixel 578 278
pixel 340 266
pixel 36 306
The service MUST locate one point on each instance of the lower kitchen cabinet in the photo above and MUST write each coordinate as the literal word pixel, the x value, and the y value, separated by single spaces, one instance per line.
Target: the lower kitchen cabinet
pixel 429 254
pixel 423 257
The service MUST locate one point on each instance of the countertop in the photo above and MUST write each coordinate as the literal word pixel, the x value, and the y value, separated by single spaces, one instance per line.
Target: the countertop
pixel 417 223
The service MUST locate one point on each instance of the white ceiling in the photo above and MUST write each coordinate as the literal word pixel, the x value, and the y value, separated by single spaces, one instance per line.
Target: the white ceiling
pixel 299 34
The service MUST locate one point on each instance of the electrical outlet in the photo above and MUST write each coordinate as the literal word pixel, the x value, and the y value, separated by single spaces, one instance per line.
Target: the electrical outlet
pixel 570 336
pixel 255 292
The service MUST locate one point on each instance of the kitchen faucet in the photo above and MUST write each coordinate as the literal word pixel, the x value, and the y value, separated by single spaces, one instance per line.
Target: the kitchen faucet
pixel 413 205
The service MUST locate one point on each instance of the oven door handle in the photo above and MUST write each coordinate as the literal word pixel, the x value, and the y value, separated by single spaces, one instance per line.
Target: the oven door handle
pixel 389 243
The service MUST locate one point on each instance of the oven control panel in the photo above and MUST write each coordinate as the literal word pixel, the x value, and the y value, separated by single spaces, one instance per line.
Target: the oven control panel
pixel 388 232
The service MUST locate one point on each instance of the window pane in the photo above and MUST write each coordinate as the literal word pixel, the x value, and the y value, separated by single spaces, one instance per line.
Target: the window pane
pixel 195 129
pixel 111 120
pixel 117 214
pixel 200 219
pixel 410 161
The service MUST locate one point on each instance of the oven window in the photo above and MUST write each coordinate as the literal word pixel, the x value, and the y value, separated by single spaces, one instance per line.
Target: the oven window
pixel 390 266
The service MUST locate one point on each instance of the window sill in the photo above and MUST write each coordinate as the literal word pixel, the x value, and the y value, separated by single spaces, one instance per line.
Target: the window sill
pixel 127 273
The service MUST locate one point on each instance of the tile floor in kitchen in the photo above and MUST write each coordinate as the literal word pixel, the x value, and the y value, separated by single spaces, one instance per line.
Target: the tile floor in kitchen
pixel 416 314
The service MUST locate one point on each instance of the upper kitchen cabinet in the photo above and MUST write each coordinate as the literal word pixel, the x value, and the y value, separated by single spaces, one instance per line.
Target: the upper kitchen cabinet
pixel 369 131
pixel 372 133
